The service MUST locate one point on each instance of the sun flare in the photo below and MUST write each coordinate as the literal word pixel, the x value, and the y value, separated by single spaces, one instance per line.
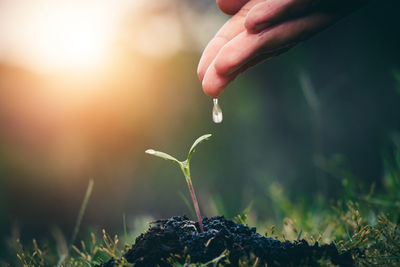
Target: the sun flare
pixel 65 35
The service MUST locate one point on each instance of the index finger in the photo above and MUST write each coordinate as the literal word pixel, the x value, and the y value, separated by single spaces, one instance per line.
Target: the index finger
pixel 229 30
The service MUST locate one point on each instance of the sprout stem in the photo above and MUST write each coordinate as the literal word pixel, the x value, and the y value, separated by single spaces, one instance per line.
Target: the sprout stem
pixel 185 167
pixel 186 171
pixel 196 205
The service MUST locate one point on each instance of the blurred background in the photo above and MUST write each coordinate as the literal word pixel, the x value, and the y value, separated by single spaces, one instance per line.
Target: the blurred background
pixel 87 86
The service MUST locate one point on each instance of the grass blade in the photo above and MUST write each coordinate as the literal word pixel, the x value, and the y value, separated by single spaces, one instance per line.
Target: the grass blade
pixel 82 212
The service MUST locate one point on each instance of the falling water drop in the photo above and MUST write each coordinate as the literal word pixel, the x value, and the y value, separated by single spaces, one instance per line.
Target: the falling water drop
pixel 216 112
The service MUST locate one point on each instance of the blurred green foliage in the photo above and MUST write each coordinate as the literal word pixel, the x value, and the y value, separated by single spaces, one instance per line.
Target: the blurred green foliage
pixel 302 132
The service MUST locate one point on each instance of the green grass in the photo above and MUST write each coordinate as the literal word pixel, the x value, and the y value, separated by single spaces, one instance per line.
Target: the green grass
pixel 364 223
pixel 371 235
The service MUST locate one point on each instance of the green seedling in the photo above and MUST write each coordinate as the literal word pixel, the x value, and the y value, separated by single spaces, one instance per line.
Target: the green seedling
pixel 185 167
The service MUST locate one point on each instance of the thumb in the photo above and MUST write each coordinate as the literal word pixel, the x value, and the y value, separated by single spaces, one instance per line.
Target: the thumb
pixel 231 7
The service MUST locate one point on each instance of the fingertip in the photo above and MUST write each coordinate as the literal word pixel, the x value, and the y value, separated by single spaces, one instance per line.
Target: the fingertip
pixel 211 92
pixel 213 84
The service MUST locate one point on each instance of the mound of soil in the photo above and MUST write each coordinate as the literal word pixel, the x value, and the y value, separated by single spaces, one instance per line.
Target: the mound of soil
pixel 181 236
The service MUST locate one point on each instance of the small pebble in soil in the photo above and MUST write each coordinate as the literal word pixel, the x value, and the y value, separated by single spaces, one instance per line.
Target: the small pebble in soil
pixel 181 236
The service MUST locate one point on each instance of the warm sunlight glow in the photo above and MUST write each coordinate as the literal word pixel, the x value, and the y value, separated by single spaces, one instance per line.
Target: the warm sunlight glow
pixel 61 35
pixel 68 37
pixel 66 44
pixel 160 36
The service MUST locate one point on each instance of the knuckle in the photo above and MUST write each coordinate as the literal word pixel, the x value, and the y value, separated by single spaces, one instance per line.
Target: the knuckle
pixel 249 23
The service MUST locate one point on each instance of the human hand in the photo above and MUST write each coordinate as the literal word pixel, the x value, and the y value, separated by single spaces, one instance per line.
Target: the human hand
pixel 261 29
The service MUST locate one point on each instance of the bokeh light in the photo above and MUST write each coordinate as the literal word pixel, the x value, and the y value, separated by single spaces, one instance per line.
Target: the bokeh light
pixel 87 86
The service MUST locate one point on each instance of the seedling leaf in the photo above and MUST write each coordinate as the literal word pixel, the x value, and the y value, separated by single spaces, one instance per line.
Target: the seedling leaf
pixel 162 155
pixel 196 143
pixel 185 167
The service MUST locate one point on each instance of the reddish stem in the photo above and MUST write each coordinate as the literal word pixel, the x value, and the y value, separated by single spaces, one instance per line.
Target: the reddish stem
pixel 195 204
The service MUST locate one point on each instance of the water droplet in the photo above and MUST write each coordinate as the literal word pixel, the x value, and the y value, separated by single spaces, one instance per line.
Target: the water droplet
pixel 216 112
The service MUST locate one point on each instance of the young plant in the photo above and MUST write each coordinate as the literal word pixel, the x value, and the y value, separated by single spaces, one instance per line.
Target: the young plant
pixel 185 167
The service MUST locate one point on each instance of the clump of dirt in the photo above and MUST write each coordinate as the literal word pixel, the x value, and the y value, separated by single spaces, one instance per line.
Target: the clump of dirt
pixel 181 236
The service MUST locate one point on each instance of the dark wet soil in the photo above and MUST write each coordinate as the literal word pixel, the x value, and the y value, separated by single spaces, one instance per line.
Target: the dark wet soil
pixel 181 236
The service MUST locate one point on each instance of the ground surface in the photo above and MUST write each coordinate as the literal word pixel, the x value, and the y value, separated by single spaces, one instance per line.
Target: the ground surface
pixel 181 237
